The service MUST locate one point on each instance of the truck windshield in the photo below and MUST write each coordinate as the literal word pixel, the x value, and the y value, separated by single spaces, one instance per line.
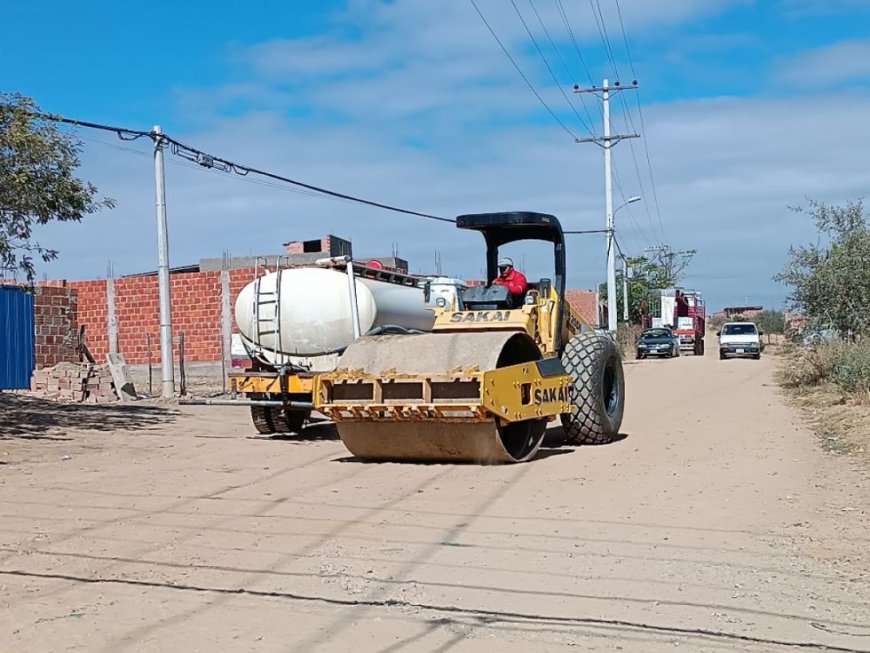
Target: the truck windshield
pixel 739 330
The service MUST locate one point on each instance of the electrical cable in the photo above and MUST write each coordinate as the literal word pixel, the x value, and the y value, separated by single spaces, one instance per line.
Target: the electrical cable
pixel 642 125
pixel 202 158
pixel 520 71
pixel 602 32
pixel 564 64
pixel 586 126
pixel 567 23
pixel 210 161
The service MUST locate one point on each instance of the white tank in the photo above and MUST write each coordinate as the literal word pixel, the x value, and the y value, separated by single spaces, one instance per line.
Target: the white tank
pixel 315 310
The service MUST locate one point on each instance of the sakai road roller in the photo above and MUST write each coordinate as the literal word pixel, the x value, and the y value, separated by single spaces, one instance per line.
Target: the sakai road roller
pixel 483 384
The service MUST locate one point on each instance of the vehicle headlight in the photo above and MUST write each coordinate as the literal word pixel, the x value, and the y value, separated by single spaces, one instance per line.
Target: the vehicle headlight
pixel 440 302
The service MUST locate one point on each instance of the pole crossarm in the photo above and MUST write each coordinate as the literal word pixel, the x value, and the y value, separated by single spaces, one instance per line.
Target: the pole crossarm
pixel 610 141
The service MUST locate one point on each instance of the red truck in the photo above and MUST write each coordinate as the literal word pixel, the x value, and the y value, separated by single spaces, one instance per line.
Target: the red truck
pixel 690 316
pixel 680 309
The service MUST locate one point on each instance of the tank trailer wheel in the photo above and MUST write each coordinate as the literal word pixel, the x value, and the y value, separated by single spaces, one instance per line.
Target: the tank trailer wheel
pixel 597 389
pixel 291 421
pixel 262 418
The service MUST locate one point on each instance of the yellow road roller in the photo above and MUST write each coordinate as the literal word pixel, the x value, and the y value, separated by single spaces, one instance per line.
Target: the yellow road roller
pixel 483 384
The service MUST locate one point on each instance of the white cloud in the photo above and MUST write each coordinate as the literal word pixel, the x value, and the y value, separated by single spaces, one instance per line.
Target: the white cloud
pixel 847 61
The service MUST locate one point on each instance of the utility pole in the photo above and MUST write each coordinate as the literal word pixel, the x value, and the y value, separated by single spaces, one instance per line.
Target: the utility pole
pixel 607 142
pixel 167 367
pixel 624 290
pixel 672 263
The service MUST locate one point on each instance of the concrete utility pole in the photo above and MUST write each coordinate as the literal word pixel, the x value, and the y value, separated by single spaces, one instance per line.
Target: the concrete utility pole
pixel 607 142
pixel 625 290
pixel 167 367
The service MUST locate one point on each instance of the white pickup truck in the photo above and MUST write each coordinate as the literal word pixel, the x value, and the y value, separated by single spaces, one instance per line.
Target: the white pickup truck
pixel 739 339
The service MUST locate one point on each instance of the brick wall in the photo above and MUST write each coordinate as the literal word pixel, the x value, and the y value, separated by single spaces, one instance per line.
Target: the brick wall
pixel 55 317
pixel 196 311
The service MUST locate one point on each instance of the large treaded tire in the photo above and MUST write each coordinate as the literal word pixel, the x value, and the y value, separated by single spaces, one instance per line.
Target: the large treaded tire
pixel 291 421
pixel 597 389
pixel 262 418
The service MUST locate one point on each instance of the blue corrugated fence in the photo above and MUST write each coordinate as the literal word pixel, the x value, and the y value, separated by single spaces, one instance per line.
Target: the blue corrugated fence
pixel 17 355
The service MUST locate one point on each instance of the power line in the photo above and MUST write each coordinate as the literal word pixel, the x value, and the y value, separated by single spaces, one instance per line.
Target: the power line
pixel 567 23
pixel 586 126
pixel 625 39
pixel 211 161
pixel 558 52
pixel 190 165
pixel 630 121
pixel 520 71
pixel 642 125
pixel 602 32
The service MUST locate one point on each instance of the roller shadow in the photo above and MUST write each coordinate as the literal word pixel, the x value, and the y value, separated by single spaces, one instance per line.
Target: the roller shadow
pixel 317 430
pixel 555 438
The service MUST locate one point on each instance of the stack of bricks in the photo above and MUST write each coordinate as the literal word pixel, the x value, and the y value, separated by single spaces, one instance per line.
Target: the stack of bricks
pixel 69 382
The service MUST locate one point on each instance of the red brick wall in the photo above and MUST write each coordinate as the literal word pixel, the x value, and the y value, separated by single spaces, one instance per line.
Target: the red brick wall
pixel 93 314
pixel 55 310
pixel 196 311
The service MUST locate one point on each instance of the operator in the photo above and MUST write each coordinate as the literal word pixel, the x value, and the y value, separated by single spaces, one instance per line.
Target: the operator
pixel 512 279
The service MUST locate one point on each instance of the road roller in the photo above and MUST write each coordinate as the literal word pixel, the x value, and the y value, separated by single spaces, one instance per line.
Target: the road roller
pixel 482 385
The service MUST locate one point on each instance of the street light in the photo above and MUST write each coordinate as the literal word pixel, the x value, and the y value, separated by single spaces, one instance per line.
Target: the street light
pixel 630 200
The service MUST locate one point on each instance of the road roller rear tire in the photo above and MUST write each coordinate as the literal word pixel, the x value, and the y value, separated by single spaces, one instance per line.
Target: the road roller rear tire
pixel 597 389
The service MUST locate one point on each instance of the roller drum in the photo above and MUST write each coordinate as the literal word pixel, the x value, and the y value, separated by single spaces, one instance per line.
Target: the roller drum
pixel 488 442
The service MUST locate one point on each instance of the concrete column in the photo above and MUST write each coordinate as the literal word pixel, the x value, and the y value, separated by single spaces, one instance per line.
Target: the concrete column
pixel 226 325
pixel 111 316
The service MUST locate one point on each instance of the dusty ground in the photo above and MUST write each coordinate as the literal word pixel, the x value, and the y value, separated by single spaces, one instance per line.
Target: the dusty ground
pixel 717 523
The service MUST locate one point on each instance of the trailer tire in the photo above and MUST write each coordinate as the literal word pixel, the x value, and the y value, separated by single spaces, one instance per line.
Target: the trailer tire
pixel 262 418
pixel 291 421
pixel 597 389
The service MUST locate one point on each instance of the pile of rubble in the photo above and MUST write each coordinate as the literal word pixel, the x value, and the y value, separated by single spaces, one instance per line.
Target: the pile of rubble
pixel 71 382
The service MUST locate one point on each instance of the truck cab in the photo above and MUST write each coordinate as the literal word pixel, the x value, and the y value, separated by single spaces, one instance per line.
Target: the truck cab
pixel 739 339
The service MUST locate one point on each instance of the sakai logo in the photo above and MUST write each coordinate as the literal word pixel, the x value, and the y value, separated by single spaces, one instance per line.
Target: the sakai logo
pixel 550 395
pixel 481 316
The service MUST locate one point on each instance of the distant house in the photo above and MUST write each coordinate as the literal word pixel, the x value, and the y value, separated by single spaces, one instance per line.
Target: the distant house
pixel 730 312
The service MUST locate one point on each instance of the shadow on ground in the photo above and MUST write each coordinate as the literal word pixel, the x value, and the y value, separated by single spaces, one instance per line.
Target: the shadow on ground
pixel 555 438
pixel 317 430
pixel 40 419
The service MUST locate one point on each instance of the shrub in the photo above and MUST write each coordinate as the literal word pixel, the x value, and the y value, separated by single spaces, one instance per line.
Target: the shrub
pixel 809 367
pixel 851 370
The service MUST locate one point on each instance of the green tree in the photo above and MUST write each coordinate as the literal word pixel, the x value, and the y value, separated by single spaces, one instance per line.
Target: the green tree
pixel 770 322
pixel 38 183
pixel 830 280
pixel 645 275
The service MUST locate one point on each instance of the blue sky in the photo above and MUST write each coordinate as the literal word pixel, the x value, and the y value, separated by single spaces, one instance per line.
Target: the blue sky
pixel 749 106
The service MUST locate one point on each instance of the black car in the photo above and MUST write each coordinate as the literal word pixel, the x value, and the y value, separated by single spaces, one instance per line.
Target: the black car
pixel 658 342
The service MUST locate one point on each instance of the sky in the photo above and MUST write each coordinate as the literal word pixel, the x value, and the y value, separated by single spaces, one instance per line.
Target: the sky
pixel 745 109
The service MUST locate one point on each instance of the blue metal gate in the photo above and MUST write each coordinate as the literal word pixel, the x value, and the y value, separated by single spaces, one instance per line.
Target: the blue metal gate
pixel 17 355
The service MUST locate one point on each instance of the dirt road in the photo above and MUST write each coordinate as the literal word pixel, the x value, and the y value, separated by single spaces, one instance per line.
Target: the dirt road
pixel 716 523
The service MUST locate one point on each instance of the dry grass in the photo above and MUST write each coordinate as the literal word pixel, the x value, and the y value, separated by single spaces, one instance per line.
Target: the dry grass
pixel 838 411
